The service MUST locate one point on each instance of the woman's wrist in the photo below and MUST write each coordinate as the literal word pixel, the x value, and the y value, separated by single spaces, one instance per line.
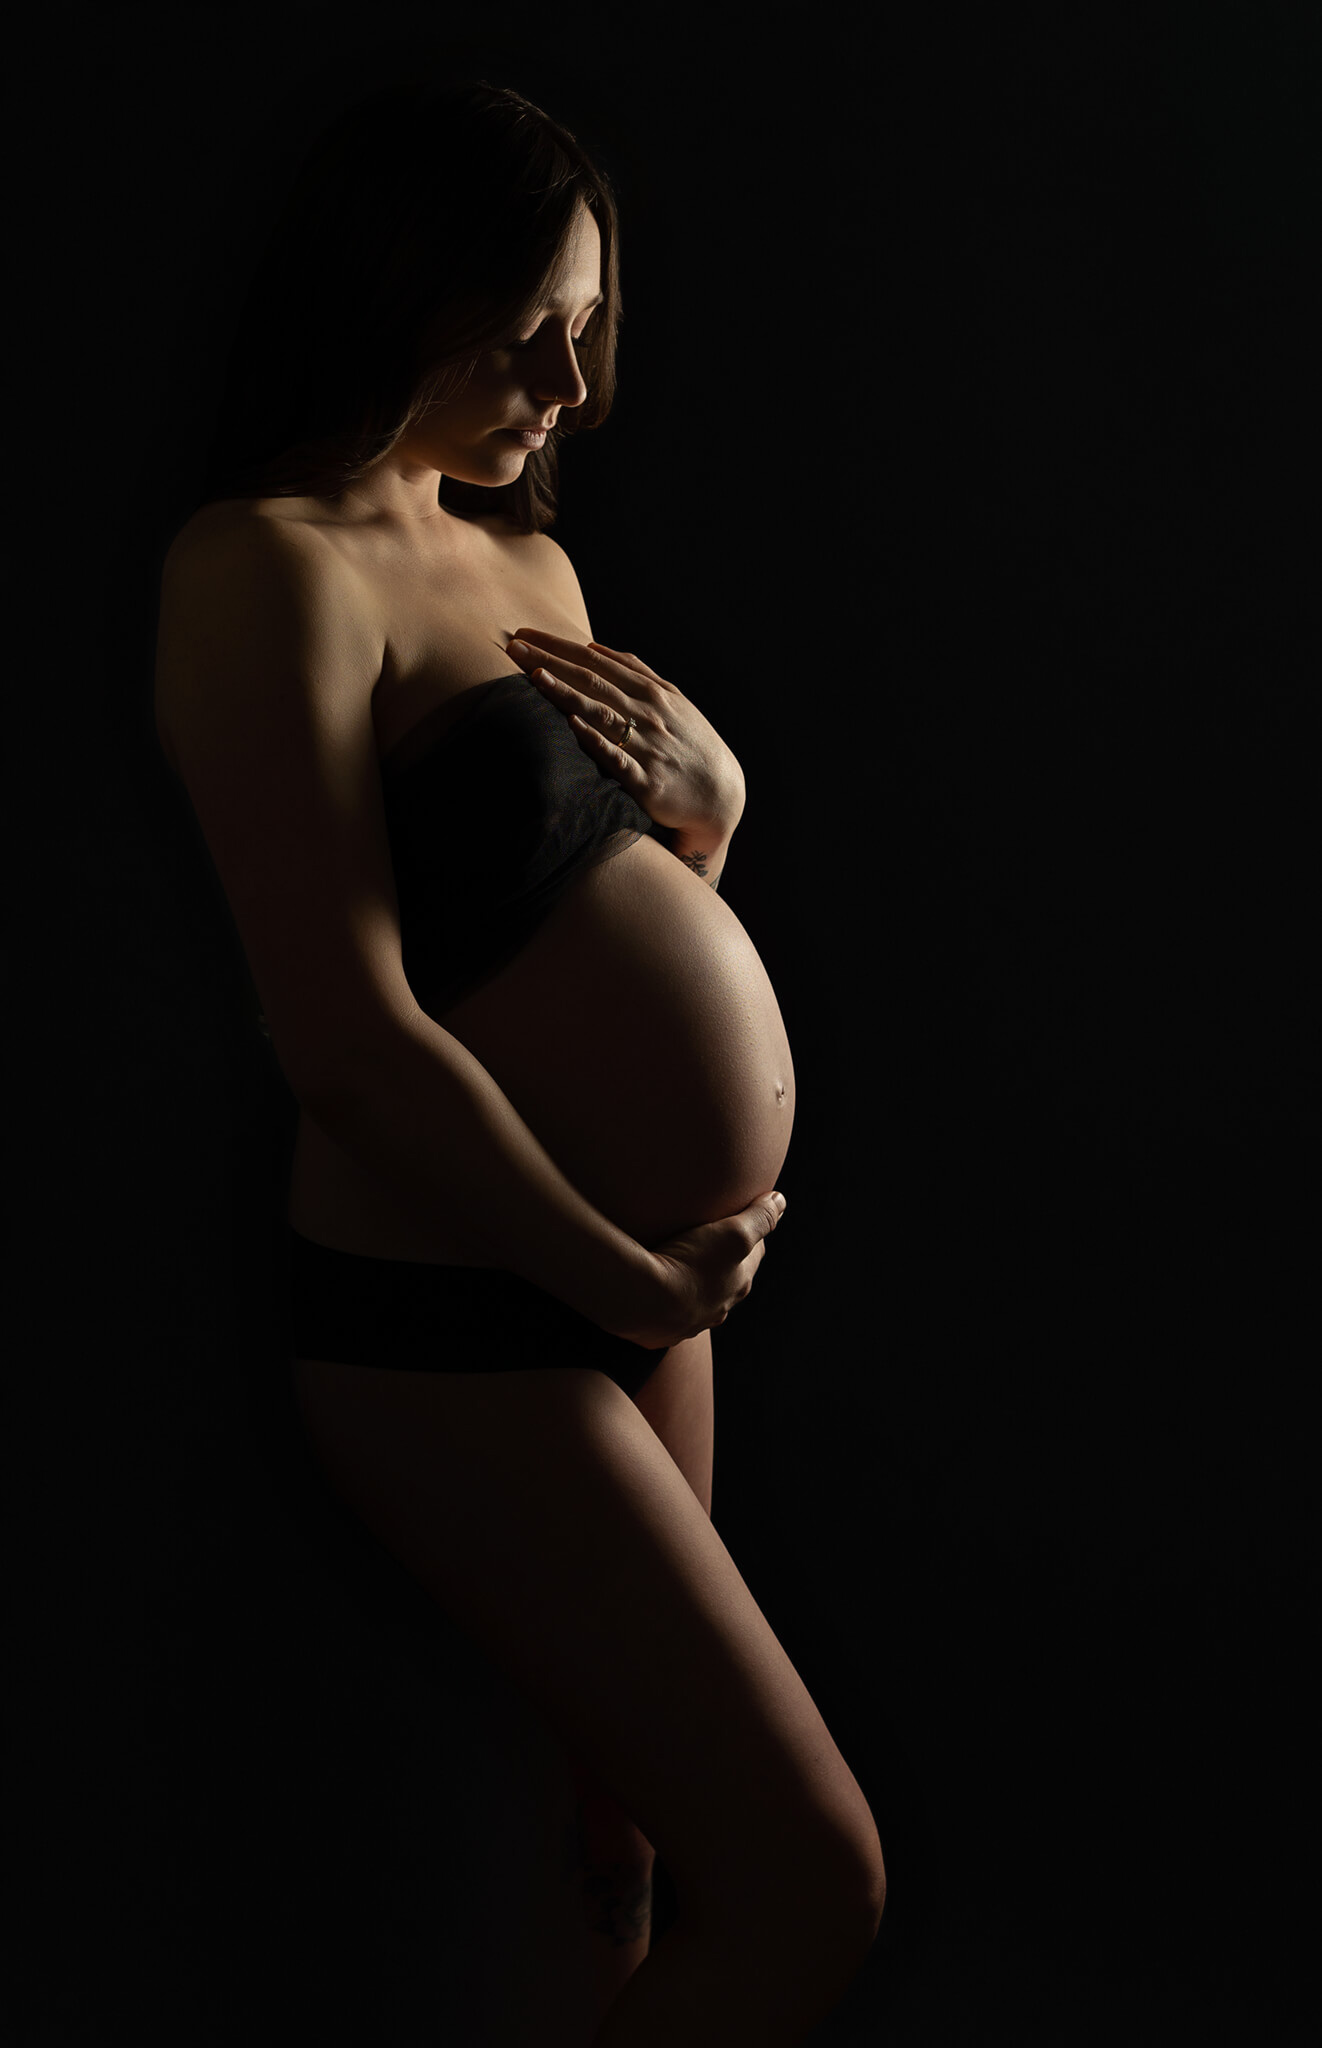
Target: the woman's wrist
pixel 703 853
pixel 631 1293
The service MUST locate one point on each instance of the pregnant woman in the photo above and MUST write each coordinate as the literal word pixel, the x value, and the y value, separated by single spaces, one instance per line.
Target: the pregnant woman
pixel 545 1091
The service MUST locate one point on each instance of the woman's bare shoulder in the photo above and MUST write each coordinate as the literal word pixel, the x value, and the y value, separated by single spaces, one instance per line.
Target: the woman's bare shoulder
pixel 223 517
pixel 219 534
pixel 261 571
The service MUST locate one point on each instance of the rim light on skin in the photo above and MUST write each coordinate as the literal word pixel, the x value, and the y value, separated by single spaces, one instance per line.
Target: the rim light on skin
pixel 463 437
pixel 322 410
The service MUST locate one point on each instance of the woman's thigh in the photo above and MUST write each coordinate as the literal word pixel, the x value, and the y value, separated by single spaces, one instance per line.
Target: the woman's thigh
pixel 545 1514
pixel 678 1402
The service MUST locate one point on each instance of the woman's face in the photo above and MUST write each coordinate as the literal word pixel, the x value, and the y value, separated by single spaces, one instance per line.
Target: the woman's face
pixel 524 384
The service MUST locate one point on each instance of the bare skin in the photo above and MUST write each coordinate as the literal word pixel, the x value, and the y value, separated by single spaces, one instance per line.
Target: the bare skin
pixel 564 1525
pixel 550 1520
pixel 524 385
pixel 616 1856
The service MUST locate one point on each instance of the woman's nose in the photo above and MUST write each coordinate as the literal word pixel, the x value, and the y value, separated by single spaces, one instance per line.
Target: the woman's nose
pixel 555 389
pixel 559 380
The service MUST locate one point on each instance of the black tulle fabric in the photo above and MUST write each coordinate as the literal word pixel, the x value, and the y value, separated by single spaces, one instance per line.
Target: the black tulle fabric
pixel 488 827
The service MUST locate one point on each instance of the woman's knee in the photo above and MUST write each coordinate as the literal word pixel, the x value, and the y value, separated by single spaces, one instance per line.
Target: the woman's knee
pixel 542 1511
pixel 862 1880
pixel 831 1884
pixel 789 1948
pixel 870 1891
pixel 868 1864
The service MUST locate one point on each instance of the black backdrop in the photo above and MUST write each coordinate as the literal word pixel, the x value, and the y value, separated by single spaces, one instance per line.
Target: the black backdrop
pixel 961 471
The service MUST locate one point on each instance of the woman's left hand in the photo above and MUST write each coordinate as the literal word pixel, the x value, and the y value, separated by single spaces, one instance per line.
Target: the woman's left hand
pixel 673 762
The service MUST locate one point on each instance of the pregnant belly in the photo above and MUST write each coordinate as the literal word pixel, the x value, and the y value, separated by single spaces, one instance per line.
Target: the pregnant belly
pixel 639 1037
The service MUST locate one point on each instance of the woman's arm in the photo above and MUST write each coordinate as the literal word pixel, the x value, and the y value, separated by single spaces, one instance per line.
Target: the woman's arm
pixel 266 656
pixel 426 1114
pixel 423 1113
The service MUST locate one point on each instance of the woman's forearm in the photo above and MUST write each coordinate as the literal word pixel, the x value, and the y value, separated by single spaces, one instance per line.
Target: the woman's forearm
pixel 427 1117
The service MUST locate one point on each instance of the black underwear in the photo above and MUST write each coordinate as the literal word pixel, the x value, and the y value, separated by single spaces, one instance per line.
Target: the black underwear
pixel 418 1317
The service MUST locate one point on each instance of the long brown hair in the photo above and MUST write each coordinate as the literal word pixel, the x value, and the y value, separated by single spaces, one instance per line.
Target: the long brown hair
pixel 426 222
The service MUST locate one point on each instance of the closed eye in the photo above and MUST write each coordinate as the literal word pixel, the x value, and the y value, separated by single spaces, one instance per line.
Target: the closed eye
pixel 579 341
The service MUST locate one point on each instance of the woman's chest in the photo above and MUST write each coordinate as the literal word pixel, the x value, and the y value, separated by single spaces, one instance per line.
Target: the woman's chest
pixel 445 624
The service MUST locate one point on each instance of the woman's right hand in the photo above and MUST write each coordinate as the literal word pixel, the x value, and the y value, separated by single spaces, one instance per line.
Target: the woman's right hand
pixel 696 1278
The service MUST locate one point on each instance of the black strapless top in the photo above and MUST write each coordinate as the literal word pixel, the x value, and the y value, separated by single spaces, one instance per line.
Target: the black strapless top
pixel 488 828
